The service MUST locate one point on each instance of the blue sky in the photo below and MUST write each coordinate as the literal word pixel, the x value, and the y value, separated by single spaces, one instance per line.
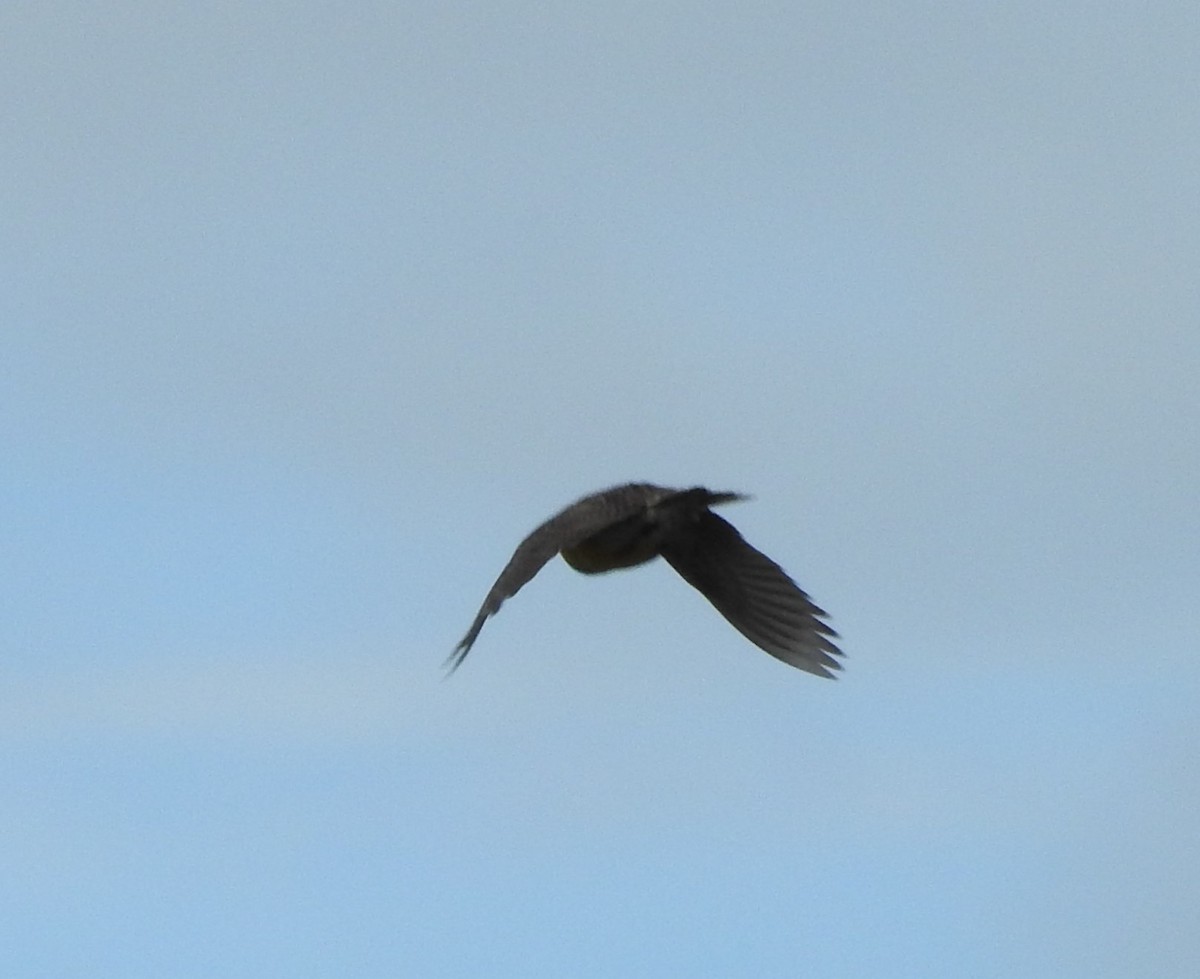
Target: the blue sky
pixel 312 311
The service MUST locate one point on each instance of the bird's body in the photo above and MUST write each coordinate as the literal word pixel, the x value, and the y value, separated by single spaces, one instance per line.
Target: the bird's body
pixel 631 524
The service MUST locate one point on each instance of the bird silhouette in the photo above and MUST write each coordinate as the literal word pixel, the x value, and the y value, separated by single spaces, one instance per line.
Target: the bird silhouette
pixel 631 524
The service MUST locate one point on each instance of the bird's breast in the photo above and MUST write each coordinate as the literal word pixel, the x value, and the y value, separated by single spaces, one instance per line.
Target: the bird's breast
pixel 615 547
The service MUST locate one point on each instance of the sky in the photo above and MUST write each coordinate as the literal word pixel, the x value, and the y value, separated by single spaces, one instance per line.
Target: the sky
pixel 311 311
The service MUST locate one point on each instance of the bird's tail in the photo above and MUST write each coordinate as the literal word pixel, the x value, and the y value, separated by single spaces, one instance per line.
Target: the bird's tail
pixel 699 496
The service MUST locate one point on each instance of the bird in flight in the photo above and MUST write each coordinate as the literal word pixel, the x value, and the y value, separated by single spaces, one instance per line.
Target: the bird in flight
pixel 635 523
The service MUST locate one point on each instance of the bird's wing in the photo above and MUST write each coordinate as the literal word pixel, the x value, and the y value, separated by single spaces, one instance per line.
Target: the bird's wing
pixel 567 528
pixel 753 593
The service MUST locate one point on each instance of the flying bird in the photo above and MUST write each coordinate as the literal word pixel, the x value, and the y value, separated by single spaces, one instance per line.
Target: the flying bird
pixel 632 524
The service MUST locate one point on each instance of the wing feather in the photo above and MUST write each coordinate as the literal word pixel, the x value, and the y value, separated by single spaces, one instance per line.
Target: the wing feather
pixel 754 594
pixel 567 528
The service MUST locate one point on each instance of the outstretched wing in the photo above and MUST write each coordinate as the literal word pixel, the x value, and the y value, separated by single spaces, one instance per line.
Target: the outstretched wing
pixel 567 528
pixel 754 593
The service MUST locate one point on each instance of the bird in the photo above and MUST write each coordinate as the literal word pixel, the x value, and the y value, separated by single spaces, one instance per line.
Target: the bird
pixel 634 523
